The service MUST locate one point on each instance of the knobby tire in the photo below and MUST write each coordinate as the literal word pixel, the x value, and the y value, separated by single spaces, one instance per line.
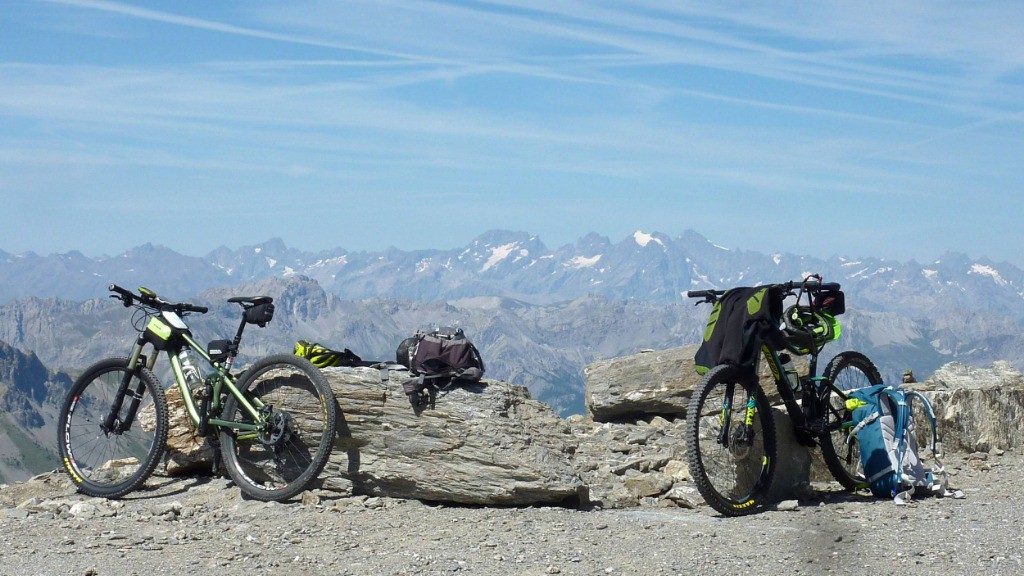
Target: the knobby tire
pixel 287 459
pixel 847 371
pixel 111 464
pixel 734 479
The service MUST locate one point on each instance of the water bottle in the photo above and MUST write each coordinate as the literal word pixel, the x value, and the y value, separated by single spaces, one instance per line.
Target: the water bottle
pixel 189 370
pixel 789 372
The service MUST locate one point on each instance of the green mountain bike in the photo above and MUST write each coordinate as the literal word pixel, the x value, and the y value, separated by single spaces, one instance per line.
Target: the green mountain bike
pixel 274 424
pixel 730 430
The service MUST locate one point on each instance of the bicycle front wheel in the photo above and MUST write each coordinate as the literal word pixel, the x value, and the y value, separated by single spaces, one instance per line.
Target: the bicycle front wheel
pixel 731 441
pixel 110 462
pixel 301 416
pixel 841 453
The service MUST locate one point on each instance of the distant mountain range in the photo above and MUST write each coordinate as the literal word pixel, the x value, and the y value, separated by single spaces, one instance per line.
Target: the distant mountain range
pixel 538 315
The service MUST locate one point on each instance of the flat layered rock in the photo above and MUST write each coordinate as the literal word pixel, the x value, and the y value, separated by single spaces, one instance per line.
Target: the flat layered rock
pixel 654 383
pixel 487 443
pixel 657 382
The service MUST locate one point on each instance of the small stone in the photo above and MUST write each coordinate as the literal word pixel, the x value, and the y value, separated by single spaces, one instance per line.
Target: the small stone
pixel 788 505
pixel 553 570
pixel 167 509
pixel 83 509
pixel 17 513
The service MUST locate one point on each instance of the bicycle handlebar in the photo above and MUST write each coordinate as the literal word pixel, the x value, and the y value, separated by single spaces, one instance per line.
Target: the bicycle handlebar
pixel 150 299
pixel 811 285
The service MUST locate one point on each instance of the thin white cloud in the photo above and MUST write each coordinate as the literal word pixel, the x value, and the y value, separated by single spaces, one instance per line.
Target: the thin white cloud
pixel 213 26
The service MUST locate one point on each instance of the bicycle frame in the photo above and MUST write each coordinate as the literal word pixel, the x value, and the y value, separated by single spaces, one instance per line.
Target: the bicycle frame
pixel 200 417
pixel 813 390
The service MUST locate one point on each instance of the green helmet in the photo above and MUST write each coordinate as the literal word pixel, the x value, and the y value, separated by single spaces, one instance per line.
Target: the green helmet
pixel 808 328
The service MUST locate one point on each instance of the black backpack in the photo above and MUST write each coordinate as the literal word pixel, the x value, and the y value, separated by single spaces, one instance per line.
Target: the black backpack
pixel 439 358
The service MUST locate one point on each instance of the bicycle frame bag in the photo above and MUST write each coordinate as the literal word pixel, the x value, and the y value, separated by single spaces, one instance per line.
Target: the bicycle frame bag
pixel 883 426
pixel 740 321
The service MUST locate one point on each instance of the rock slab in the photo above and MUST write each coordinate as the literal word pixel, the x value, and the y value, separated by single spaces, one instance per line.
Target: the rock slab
pixel 487 443
pixel 647 383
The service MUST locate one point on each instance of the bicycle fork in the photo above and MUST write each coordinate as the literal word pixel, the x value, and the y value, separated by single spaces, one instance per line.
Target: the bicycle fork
pixel 746 431
pixel 114 423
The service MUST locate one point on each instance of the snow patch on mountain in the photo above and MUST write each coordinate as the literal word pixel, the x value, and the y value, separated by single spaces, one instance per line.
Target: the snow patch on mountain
pixel 339 261
pixel 502 252
pixel 643 239
pixel 988 271
pixel 580 262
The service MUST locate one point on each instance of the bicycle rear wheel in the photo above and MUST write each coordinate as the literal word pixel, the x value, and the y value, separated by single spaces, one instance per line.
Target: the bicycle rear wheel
pixel 112 463
pixel 731 458
pixel 282 460
pixel 841 453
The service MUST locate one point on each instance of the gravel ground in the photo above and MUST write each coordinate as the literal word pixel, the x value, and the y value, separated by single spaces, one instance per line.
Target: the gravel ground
pixel 204 526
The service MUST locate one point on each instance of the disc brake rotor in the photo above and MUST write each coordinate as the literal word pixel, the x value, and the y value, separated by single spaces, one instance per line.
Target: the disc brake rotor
pixel 278 430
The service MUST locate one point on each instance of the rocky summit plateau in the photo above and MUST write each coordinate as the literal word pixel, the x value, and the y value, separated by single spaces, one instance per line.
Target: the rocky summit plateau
pixel 487 480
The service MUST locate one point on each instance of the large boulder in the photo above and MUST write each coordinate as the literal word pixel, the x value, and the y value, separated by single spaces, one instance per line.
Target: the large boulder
pixel 977 409
pixel 649 387
pixel 655 383
pixel 487 443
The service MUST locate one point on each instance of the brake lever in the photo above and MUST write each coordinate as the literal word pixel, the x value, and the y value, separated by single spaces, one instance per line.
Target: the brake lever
pixel 126 301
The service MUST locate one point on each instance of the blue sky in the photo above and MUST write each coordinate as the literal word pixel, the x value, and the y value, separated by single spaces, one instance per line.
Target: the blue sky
pixel 859 128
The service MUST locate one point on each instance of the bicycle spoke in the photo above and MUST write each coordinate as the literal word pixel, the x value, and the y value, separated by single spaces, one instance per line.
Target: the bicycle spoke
pixel 111 463
pixel 847 371
pixel 281 459
pixel 731 442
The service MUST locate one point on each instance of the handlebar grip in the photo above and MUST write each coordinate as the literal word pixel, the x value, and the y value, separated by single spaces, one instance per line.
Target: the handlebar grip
pixel 812 285
pixel 191 308
pixel 125 296
pixel 705 293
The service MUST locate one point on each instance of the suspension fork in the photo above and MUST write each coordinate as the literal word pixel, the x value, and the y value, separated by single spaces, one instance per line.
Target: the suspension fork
pixel 750 410
pixel 112 423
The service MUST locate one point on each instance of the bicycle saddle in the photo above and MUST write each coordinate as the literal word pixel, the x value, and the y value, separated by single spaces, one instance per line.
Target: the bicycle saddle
pixel 252 300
